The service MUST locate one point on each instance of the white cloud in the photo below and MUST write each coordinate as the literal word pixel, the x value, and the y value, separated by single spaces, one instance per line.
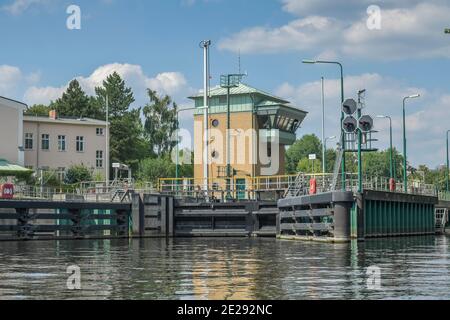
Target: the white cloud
pixel 10 78
pixel 344 7
pixel 17 7
pixel 415 31
pixel 171 83
pixel 427 117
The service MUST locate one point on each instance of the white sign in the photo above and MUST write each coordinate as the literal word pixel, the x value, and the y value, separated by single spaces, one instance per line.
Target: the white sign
pixel 312 157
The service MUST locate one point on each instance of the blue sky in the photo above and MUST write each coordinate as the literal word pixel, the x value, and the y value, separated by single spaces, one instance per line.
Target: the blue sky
pixel 155 43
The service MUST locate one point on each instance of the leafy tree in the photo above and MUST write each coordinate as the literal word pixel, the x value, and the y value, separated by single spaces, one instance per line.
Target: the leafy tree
pixel 160 122
pixel 306 166
pixel 151 169
pixel 38 110
pixel 78 173
pixel 127 142
pixel 330 156
pixel 186 170
pixel 301 149
pixel 75 103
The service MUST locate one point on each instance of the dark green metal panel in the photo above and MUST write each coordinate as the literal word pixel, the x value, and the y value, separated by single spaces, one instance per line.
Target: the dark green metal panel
pixel 394 218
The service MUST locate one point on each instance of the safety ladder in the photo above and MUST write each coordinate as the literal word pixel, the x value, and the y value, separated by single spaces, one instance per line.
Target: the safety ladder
pixel 296 188
pixel 337 167
pixel 441 218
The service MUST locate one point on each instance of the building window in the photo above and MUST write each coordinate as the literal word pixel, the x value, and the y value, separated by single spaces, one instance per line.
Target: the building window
pixel 222 100
pixel 28 141
pixel 80 144
pixel 215 154
pixel 99 131
pixel 45 142
pixel 99 159
pixel 61 174
pixel 61 143
pixel 215 123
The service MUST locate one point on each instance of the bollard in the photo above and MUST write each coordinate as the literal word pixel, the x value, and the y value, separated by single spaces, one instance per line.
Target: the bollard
pixel 312 186
pixel 392 185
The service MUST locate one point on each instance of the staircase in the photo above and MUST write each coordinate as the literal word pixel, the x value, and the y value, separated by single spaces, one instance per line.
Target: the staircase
pixel 337 167
pixel 297 188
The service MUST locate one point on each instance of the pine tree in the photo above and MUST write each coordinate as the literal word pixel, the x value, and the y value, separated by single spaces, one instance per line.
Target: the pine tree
pixel 126 133
pixel 75 103
pixel 119 96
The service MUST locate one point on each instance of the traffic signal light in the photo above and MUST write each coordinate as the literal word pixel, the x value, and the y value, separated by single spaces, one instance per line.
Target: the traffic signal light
pixel 350 124
pixel 349 106
pixel 365 123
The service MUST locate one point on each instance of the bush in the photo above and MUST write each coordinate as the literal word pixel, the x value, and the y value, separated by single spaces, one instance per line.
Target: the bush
pixel 78 173
pixel 152 169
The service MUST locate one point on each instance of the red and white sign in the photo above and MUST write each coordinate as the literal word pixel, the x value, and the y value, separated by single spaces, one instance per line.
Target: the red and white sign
pixel 6 191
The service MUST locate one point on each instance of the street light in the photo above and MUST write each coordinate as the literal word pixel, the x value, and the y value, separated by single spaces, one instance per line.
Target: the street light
pixel 392 170
pixel 307 61
pixel 448 166
pixel 405 173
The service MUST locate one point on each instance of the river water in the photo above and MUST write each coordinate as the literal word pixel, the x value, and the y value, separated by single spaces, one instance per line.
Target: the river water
pixel 411 268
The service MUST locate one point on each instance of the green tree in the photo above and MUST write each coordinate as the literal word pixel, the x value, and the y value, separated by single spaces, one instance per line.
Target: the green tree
pixel 127 142
pixel 152 169
pixel 75 103
pixel 38 110
pixel 77 173
pixel 330 156
pixel 160 123
pixel 120 97
pixel 301 149
pixel 306 166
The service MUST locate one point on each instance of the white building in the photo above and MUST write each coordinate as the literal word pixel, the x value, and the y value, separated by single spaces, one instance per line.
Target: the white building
pixel 11 130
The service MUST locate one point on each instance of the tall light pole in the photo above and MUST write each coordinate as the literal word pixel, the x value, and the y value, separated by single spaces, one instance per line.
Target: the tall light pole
pixel 205 45
pixel 323 125
pixel 342 113
pixel 107 142
pixel 391 157
pixel 405 162
pixel 448 166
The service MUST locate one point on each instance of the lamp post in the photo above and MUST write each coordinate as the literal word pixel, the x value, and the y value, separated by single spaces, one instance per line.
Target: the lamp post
pixel 391 158
pixel 107 147
pixel 342 113
pixel 448 166
pixel 178 141
pixel 405 170
pixel 206 78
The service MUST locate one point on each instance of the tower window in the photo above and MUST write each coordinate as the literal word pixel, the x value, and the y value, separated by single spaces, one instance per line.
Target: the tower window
pixel 215 123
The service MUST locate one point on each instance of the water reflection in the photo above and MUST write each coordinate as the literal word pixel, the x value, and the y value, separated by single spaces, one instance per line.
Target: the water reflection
pixel 412 268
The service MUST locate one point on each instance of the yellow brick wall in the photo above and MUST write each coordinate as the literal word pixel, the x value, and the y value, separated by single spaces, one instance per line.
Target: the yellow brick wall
pixel 241 124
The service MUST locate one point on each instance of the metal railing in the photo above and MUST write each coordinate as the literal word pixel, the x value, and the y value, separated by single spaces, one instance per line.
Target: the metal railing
pixel 83 192
pixel 248 186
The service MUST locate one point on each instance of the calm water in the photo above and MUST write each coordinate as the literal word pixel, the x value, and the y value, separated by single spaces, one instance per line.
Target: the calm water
pixel 412 268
